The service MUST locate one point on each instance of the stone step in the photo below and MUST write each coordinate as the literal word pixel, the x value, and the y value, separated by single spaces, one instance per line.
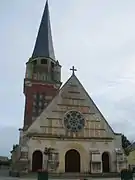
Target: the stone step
pixel 75 175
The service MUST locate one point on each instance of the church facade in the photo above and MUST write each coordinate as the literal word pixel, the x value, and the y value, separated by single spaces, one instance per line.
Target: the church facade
pixel 63 130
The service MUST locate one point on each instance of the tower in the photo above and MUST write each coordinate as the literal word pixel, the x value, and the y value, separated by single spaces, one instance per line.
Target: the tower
pixel 43 73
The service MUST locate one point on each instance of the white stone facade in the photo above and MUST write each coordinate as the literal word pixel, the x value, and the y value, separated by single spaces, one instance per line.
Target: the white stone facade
pixel 95 138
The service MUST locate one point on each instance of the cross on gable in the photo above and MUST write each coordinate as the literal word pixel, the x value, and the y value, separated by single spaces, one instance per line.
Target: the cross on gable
pixel 73 70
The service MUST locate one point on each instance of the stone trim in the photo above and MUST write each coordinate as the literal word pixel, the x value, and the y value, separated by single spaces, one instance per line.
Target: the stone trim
pixel 65 137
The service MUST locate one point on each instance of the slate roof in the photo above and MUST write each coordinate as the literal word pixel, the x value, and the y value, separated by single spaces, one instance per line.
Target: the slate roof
pixel 44 44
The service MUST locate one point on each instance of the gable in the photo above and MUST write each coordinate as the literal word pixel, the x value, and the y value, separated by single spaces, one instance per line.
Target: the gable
pixel 72 96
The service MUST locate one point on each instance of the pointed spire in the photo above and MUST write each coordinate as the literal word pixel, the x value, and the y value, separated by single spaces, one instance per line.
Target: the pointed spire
pixel 44 44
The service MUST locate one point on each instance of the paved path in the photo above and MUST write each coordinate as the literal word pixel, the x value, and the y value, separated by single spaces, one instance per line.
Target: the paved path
pixel 4 176
pixel 13 178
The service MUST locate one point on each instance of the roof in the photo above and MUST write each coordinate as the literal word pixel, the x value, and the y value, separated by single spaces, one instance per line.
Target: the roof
pixel 44 44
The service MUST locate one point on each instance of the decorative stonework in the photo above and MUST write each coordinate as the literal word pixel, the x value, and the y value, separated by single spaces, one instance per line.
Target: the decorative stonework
pixel 74 121
pixel 40 101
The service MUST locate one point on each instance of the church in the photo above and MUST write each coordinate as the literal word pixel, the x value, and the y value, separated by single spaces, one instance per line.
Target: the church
pixel 63 130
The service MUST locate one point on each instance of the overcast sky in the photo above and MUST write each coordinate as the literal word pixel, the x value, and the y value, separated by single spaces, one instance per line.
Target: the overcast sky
pixel 97 37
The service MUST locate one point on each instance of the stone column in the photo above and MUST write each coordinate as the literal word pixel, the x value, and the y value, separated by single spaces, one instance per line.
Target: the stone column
pixel 45 162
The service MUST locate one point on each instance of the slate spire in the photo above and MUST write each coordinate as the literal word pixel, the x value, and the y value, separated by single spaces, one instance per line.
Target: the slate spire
pixel 44 44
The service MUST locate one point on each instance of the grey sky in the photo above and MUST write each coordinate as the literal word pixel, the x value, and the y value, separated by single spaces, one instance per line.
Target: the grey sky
pixel 98 37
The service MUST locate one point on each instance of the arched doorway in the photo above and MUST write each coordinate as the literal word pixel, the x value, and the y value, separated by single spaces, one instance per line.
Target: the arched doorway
pixel 105 162
pixel 37 160
pixel 72 161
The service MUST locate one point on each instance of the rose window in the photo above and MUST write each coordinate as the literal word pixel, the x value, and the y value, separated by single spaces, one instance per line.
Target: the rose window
pixel 74 121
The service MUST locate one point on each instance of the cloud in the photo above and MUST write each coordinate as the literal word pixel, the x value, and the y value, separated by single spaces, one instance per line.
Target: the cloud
pixel 9 136
pixel 100 40
pixel 97 37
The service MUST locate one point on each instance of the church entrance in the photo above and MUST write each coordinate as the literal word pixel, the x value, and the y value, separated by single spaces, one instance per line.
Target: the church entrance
pixel 105 162
pixel 72 161
pixel 37 161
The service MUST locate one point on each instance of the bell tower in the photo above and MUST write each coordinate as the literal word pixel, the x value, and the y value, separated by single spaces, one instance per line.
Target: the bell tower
pixel 43 73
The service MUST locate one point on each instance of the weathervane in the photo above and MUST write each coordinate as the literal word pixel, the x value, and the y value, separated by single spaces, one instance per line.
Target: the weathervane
pixel 73 70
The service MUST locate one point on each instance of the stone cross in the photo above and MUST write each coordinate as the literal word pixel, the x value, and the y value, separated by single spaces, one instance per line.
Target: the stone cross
pixel 73 70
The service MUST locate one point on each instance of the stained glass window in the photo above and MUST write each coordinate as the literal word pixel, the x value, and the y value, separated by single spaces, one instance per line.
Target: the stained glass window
pixel 74 121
